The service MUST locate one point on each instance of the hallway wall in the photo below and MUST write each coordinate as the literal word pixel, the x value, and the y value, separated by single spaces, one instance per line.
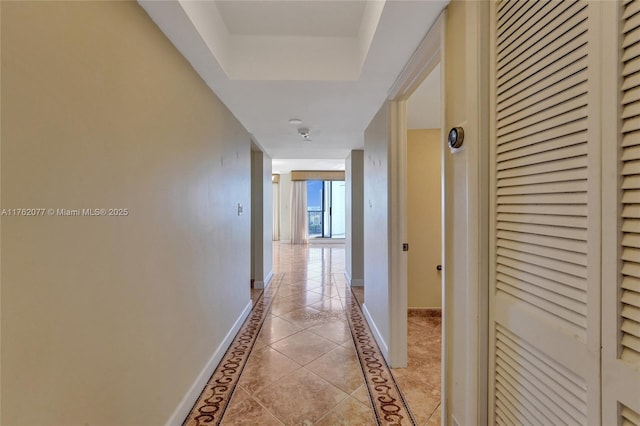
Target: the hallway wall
pixel 110 320
pixel 261 218
pixel 285 210
pixel 354 191
pixel 376 226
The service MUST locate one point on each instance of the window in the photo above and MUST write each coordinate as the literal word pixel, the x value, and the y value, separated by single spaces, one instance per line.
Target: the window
pixel 326 208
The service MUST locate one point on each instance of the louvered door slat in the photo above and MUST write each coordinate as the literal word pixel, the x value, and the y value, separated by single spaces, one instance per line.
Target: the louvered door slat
pixel 529 391
pixel 542 173
pixel 630 200
pixel 544 219
pixel 519 410
pixel 543 95
pixel 632 328
pixel 521 28
pixel 629 11
pixel 545 251
pixel 508 10
pixel 631 240
pixel 578 174
pixel 561 307
pixel 546 124
pixel 631 23
pixel 550 240
pixel 629 417
pixel 574 198
pixel 535 386
pixel 568 129
pixel 572 151
pixel 525 402
pixel 632 80
pixel 545 188
pixel 544 262
pixel 561 210
pixel 631 283
pixel 631 168
pixel 554 106
pixel 630 68
pixel 542 53
pixel 538 281
pixel 542 33
pixel 560 277
pixel 570 163
pixel 533 373
pixel 517 23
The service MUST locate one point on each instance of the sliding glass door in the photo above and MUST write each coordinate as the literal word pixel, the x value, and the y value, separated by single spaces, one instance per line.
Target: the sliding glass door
pixel 326 208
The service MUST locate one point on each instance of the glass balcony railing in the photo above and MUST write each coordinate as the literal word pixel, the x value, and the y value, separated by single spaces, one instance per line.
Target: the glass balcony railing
pixel 315 223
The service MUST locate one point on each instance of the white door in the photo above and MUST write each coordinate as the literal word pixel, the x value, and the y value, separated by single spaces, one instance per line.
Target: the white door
pixel 545 275
pixel 621 215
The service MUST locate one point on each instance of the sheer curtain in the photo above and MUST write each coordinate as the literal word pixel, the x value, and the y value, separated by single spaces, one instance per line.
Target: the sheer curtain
pixel 299 228
pixel 276 211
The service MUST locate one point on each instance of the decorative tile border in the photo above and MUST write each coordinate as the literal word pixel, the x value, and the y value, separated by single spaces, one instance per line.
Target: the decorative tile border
pixel 389 406
pixel 212 403
pixel 388 403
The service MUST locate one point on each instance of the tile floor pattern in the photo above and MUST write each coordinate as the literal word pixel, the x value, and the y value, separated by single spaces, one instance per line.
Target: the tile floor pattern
pixel 303 367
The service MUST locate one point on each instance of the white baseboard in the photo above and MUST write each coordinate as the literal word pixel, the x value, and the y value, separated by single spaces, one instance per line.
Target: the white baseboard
pixel 376 333
pixel 267 280
pixel 184 407
pixel 265 283
pixel 356 282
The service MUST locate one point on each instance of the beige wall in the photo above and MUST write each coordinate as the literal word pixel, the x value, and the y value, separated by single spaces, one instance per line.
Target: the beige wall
pixel 376 226
pixel 424 152
pixel 354 191
pixel 261 218
pixel 466 200
pixel 285 211
pixel 110 320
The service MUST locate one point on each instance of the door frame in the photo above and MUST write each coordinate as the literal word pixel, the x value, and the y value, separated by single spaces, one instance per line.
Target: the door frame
pixel 427 56
pixel 429 53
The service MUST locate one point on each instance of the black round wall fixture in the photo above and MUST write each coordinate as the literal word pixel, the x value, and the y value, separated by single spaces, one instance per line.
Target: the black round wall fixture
pixel 456 137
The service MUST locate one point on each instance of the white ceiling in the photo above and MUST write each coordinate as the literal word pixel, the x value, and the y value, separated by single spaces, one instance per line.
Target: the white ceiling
pixel 292 18
pixel 330 63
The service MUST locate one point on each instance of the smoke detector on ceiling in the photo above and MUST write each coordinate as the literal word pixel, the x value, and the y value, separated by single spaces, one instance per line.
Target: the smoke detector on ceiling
pixel 304 132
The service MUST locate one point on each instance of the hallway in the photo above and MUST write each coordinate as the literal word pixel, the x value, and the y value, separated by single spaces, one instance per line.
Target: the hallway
pixel 295 362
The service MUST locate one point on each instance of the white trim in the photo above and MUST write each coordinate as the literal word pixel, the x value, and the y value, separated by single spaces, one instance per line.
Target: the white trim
pixel 384 348
pixel 422 62
pixel 265 283
pixel 357 282
pixel 186 404
pixel 427 56
pixel 478 174
pixel 353 282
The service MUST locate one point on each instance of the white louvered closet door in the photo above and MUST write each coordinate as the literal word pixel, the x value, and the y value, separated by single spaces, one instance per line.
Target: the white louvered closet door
pixel 621 216
pixel 545 278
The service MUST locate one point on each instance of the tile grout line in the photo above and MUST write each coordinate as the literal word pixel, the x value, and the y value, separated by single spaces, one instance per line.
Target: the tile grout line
pixel 216 395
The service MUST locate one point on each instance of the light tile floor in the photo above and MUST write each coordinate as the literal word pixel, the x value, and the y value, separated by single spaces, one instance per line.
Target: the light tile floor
pixel 304 368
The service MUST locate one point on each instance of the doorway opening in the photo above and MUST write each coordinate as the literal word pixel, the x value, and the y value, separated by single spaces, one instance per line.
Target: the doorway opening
pixel 408 239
